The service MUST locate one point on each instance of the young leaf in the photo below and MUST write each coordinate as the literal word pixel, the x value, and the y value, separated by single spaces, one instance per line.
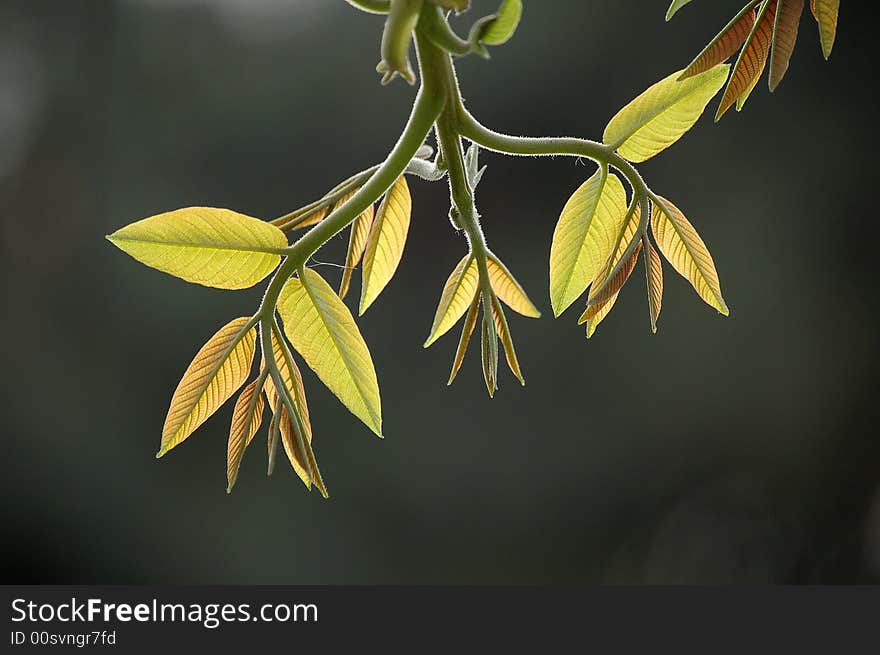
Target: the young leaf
pixel 466 332
pixel 297 446
pixel 357 241
pixel 503 330
pixel 218 370
pixel 597 312
pixel 662 114
pixel 751 61
pixel 292 378
pixel 509 290
pixel 674 7
pixel 460 289
pixel 584 237
pixel 489 350
pixel 386 242
pixel 323 331
pixel 501 29
pixel 785 32
pixel 826 12
pixel 313 219
pixel 654 275
pixel 725 44
pixel 207 246
pixel 246 419
pixel 685 250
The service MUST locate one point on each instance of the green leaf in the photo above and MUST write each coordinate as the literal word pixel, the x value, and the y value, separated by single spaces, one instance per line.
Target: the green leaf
pixel 458 292
pixel 585 236
pixel 217 371
pixel 500 30
pixel 662 114
pixel 459 5
pixel 323 332
pixel 674 7
pixel 826 12
pixel 386 242
pixel 205 245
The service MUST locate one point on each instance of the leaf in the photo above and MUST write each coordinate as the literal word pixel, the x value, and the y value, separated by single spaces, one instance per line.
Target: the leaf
pixel 323 331
pixel 357 242
pixel 502 28
pixel 506 340
pixel 509 290
pixel 313 219
pixel 725 44
pixel 785 32
pixel 662 114
pixel 596 313
pixel 205 245
pixel 292 378
pixel 246 419
pixel 460 289
pixel 584 237
pixel 685 250
pixel 674 7
pixel 826 12
pixel 489 350
pixel 466 332
pixel 751 61
pixel 297 446
pixel 218 370
pixel 654 275
pixel 386 242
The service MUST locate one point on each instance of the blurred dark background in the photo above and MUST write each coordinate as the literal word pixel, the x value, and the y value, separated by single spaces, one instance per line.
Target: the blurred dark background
pixel 719 450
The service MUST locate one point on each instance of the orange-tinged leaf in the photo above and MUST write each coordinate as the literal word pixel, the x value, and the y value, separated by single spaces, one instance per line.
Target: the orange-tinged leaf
pixel 246 419
pixel 724 45
pixel 466 332
pixel 751 62
pixel 357 242
pixel 654 276
pixel 386 242
pixel 218 370
pixel 600 291
pixel 292 378
pixel 459 291
pixel 826 12
pixel 509 290
pixel 685 250
pixel 503 330
pixel 297 446
pixel 785 32
pixel 597 312
pixel 314 218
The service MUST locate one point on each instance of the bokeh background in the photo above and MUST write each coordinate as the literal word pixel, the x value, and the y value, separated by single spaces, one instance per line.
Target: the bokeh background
pixel 719 450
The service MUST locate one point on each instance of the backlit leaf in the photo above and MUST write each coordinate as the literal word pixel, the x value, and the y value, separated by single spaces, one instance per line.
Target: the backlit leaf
pixel 509 290
pixel 654 275
pixel 357 242
pixel 584 237
pixel 246 419
pixel 297 446
pixel 506 341
pixel 662 114
pixel 785 31
pixel 386 242
pixel 826 12
pixel 459 291
pixel 218 370
pixel 596 313
pixel 292 378
pixel 725 44
pixel 685 250
pixel 502 28
pixel 205 245
pixel 323 331
pixel 466 332
pixel 313 219
pixel 751 61
pixel 674 7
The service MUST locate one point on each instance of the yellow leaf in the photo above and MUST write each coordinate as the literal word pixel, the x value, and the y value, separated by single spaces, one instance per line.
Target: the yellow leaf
pixel 751 62
pixel 509 290
pixel 208 246
pixel 466 332
pixel 600 291
pixel 357 241
pixel 826 12
pixel 662 114
pixel 292 378
pixel 460 289
pixel 785 32
pixel 217 371
pixel 685 250
pixel 724 45
pixel 323 331
pixel 584 237
pixel 313 219
pixel 597 312
pixel 654 275
pixel 386 242
pixel 507 341
pixel 297 447
pixel 246 419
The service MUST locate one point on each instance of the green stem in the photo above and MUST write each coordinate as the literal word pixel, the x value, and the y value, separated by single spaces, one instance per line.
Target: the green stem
pixel 372 6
